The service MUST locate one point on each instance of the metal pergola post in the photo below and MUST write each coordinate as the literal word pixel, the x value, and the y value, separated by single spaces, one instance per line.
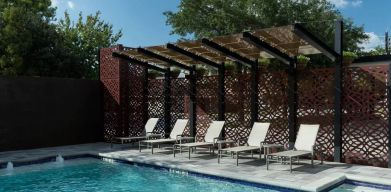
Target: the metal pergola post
pixel 387 43
pixel 221 96
pixel 389 113
pixel 193 106
pixel 338 92
pixel 167 102
pixel 254 91
pixel 292 102
pixel 145 96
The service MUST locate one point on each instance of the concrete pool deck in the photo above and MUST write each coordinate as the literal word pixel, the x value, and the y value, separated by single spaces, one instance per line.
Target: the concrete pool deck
pixel 304 177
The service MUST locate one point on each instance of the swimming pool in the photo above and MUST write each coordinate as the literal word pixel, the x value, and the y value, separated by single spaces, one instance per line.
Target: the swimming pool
pixel 90 174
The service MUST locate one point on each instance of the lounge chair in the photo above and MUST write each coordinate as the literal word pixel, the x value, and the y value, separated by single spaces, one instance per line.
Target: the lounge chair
pixel 176 136
pixel 211 136
pixel 149 127
pixel 254 143
pixel 304 146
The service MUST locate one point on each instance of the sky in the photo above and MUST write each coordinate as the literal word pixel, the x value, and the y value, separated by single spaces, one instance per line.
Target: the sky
pixel 143 23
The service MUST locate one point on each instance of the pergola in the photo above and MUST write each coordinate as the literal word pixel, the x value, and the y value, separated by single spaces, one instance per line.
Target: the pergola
pixel 283 43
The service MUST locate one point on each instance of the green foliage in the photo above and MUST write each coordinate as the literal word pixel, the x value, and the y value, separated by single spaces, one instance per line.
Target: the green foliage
pixel 153 74
pixel 209 18
pixel 27 37
pixel 32 44
pixel 264 61
pixel 84 39
pixel 376 51
pixel 349 55
pixel 201 70
pixel 229 66
pixel 303 59
pixel 175 72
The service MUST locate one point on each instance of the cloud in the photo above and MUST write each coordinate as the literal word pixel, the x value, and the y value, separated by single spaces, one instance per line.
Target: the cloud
pixel 372 42
pixel 356 3
pixel 54 3
pixel 339 3
pixel 71 5
pixel 346 3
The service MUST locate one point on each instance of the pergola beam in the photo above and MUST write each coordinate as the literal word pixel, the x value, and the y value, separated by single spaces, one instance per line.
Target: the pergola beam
pixel 303 33
pixel 227 52
pixel 249 38
pixel 142 63
pixel 162 58
pixel 192 55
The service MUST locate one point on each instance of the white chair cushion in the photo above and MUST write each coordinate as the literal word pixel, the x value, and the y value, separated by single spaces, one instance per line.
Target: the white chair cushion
pixel 214 130
pixel 178 128
pixel 306 137
pixel 151 124
pixel 258 133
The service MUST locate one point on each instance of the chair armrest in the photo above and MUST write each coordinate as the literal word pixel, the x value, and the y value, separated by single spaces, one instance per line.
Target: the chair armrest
pixel 182 137
pixel 216 139
pixel 286 146
pixel 239 140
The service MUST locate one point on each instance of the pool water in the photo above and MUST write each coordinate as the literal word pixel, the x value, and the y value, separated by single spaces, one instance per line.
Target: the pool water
pixel 89 174
pixel 357 188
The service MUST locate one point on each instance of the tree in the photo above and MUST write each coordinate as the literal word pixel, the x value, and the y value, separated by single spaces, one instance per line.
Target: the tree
pixel 83 40
pixel 27 37
pixel 378 50
pixel 208 18
pixel 32 44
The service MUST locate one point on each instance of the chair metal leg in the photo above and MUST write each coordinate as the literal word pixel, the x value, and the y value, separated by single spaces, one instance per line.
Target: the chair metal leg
pixel 237 158
pixel 267 162
pixel 139 146
pixel 218 156
pixel 260 154
pixel 290 163
pixel 189 151
pixel 312 160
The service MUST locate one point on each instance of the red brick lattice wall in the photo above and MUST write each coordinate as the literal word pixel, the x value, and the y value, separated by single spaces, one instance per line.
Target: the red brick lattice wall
pixel 273 105
pixel 315 90
pixel 122 103
pixel 110 78
pixel 156 103
pixel 365 116
pixel 180 89
pixel 207 103
pixel 237 114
